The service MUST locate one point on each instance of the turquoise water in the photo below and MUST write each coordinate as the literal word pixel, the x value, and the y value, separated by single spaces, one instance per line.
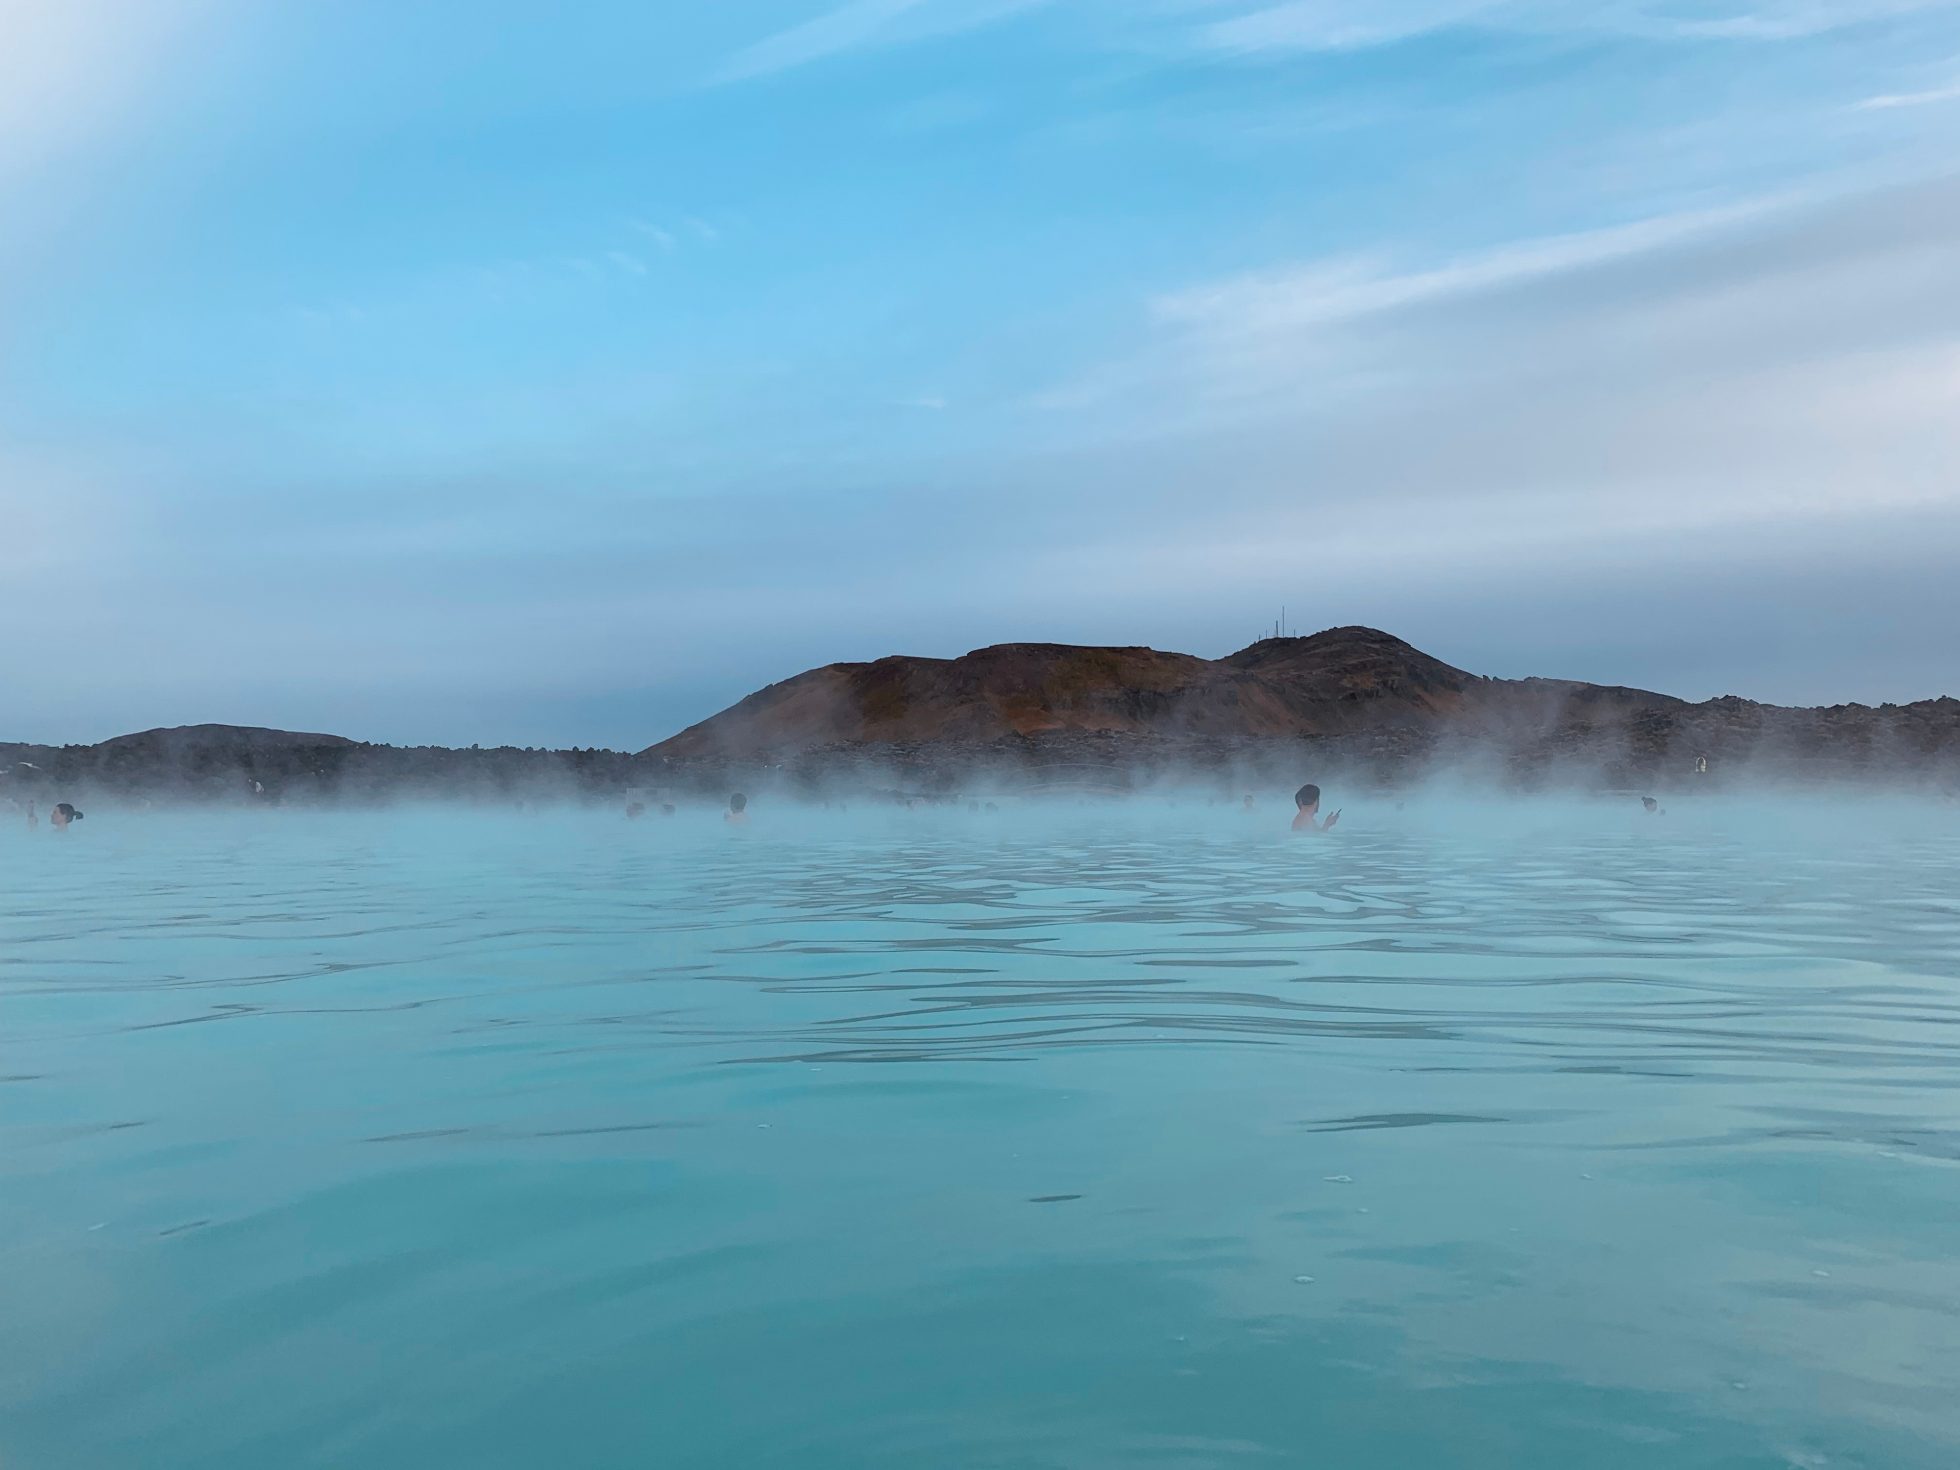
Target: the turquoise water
pixel 1539 1136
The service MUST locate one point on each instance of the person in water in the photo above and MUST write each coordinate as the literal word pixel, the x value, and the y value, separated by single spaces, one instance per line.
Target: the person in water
pixel 635 810
pixel 738 809
pixel 1307 817
pixel 1653 808
pixel 61 814
pixel 32 820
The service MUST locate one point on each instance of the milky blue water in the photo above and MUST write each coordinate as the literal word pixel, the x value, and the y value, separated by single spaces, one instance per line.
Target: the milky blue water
pixel 1540 1136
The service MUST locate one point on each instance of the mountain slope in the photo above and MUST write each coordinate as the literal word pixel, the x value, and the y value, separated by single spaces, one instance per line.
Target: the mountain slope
pixel 1340 681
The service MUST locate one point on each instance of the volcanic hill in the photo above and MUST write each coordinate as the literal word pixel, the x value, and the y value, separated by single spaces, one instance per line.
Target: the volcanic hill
pixel 1354 695
pixel 1337 682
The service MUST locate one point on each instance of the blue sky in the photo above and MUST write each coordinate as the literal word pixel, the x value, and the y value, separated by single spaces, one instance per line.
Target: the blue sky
pixel 468 372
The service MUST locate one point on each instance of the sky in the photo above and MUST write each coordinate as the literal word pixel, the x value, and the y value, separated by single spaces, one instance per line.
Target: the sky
pixel 488 372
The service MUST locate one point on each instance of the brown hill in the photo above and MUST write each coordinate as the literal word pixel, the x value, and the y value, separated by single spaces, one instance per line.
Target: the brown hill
pixel 246 764
pixel 1357 695
pixel 1341 681
pixel 1010 689
pixel 247 758
pixel 182 741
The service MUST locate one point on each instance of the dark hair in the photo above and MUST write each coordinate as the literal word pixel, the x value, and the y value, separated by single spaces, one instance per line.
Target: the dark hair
pixel 1649 802
pixel 737 802
pixel 68 811
pixel 1308 795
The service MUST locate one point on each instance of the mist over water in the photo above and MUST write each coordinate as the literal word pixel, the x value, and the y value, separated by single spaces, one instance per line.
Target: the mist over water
pixel 1478 1133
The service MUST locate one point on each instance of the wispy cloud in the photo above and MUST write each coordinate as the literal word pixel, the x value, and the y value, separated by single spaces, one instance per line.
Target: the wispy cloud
pixel 1346 289
pixel 1730 364
pixel 1246 337
pixel 675 234
pixel 861 24
pixel 1345 25
pixel 1332 25
pixel 1886 101
pixel 1775 20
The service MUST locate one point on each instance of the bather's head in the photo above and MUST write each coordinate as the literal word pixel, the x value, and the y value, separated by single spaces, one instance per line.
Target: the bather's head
pixel 738 803
pixel 1307 798
pixel 63 813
